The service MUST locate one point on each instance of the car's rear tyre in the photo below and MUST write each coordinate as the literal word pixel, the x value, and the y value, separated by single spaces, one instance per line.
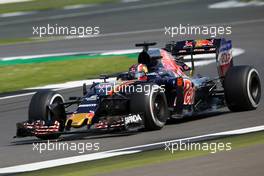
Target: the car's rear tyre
pixel 39 109
pixel 153 104
pixel 242 88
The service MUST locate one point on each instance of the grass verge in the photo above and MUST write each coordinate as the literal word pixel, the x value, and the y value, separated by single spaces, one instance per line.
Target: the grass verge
pixel 16 77
pixel 142 159
pixel 36 5
pixel 16 40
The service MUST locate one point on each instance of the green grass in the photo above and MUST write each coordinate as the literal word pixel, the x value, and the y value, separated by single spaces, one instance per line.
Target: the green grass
pixel 142 159
pixel 45 5
pixel 10 41
pixel 17 77
pixel 16 40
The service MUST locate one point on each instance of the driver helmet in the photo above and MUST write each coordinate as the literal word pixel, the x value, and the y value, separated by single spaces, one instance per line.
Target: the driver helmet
pixel 139 72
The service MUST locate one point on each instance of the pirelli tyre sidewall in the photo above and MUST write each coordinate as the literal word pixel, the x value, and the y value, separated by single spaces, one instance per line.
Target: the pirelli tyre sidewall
pixel 153 104
pixel 242 88
pixel 39 109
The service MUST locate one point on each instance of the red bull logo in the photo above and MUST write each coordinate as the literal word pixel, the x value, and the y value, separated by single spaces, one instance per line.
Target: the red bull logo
pixel 188 44
pixel 200 43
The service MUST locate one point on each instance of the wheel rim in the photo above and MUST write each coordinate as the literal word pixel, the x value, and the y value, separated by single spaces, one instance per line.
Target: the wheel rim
pixel 254 88
pixel 55 100
pixel 158 108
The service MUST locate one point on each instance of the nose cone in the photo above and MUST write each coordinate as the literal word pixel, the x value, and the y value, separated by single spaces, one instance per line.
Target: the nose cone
pixel 78 119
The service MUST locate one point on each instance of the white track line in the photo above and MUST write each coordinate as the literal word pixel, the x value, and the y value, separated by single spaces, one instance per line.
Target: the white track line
pixel 15 96
pixel 119 52
pixel 36 56
pixel 128 1
pixel 12 1
pixel 61 162
pixel 71 84
pixel 50 55
pixel 99 52
pixel 233 4
pixel 224 133
pixel 57 87
pixel 79 6
pixel 116 152
pixel 14 14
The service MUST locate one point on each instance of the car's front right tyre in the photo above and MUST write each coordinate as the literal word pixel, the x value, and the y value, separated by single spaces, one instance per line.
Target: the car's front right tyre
pixel 153 104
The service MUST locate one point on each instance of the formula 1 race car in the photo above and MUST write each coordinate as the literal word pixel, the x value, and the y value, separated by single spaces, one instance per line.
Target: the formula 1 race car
pixel 159 87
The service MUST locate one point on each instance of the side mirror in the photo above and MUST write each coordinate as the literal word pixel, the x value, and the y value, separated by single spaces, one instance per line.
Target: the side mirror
pixel 84 89
pixel 104 77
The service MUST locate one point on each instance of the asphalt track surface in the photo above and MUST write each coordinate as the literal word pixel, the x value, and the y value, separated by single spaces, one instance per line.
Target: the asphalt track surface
pixel 247 33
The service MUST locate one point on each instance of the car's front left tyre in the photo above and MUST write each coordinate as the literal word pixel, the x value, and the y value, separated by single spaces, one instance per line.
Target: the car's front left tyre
pixel 39 109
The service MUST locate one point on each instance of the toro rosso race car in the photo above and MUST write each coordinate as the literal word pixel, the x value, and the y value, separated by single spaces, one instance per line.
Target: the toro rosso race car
pixel 159 87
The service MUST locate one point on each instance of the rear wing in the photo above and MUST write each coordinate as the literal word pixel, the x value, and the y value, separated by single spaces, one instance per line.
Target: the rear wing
pixel 220 46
